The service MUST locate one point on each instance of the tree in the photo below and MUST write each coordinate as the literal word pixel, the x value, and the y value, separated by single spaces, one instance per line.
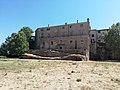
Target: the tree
pixel 3 50
pixel 112 39
pixel 15 45
pixel 28 32
pixel 3 47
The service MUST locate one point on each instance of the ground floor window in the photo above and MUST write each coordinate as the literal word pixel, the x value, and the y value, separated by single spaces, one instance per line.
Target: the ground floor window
pixel 60 47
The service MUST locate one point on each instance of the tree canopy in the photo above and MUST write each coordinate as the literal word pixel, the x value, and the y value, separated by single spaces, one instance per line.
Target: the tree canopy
pixel 112 39
pixel 15 45
pixel 28 32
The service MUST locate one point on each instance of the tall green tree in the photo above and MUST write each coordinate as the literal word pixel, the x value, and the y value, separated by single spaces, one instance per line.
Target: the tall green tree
pixel 28 32
pixel 15 45
pixel 3 50
pixel 3 47
pixel 18 44
pixel 112 39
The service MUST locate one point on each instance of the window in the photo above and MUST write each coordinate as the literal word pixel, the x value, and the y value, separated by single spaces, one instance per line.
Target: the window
pixel 71 26
pixel 98 31
pixel 82 41
pixel 41 29
pixel 71 41
pixel 75 44
pixel 60 47
pixel 48 29
pixel 42 35
pixel 98 40
pixel 92 41
pixel 60 41
pixel 63 27
pixel 92 35
pixel 81 25
pixel 43 43
pixel 51 42
pixel 48 35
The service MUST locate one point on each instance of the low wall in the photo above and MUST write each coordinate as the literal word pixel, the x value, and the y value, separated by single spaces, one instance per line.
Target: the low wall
pixel 48 53
pixel 55 53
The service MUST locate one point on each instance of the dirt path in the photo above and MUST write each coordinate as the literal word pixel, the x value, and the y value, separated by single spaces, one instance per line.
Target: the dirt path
pixel 62 75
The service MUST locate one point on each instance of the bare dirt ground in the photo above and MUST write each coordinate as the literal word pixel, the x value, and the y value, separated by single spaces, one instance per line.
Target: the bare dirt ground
pixel 58 75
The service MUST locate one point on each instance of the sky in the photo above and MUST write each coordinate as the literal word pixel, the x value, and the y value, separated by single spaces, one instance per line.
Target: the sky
pixel 15 14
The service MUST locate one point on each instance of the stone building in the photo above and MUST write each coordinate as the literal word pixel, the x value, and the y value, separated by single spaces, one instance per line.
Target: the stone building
pixel 72 38
pixel 97 43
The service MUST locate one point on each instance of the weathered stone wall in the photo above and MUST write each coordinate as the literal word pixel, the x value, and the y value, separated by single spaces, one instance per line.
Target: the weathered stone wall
pixel 97 44
pixel 65 37
pixel 48 53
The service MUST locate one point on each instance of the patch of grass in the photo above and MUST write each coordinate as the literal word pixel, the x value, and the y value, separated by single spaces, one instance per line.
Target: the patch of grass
pixel 3 60
pixel 17 64
pixel 2 57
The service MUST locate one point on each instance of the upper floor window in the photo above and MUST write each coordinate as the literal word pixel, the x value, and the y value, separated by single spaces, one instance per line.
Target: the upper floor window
pixel 92 35
pixel 71 41
pixel 98 31
pixel 60 41
pixel 51 42
pixel 42 35
pixel 71 26
pixel 82 41
pixel 48 35
pixel 92 41
pixel 63 27
pixel 43 43
pixel 41 29
pixel 98 40
pixel 60 47
pixel 81 25
pixel 48 29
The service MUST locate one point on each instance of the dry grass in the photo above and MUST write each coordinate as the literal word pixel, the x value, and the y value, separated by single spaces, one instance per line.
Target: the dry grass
pixel 21 74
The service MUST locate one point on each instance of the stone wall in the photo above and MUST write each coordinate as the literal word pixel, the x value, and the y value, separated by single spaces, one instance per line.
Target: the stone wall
pixel 65 38
pixel 48 53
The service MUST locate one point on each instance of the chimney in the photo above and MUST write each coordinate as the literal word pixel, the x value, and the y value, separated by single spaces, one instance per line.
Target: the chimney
pixel 88 19
pixel 48 25
pixel 77 21
pixel 65 23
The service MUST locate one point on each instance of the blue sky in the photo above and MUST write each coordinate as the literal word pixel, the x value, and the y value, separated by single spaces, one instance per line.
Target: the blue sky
pixel 14 14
